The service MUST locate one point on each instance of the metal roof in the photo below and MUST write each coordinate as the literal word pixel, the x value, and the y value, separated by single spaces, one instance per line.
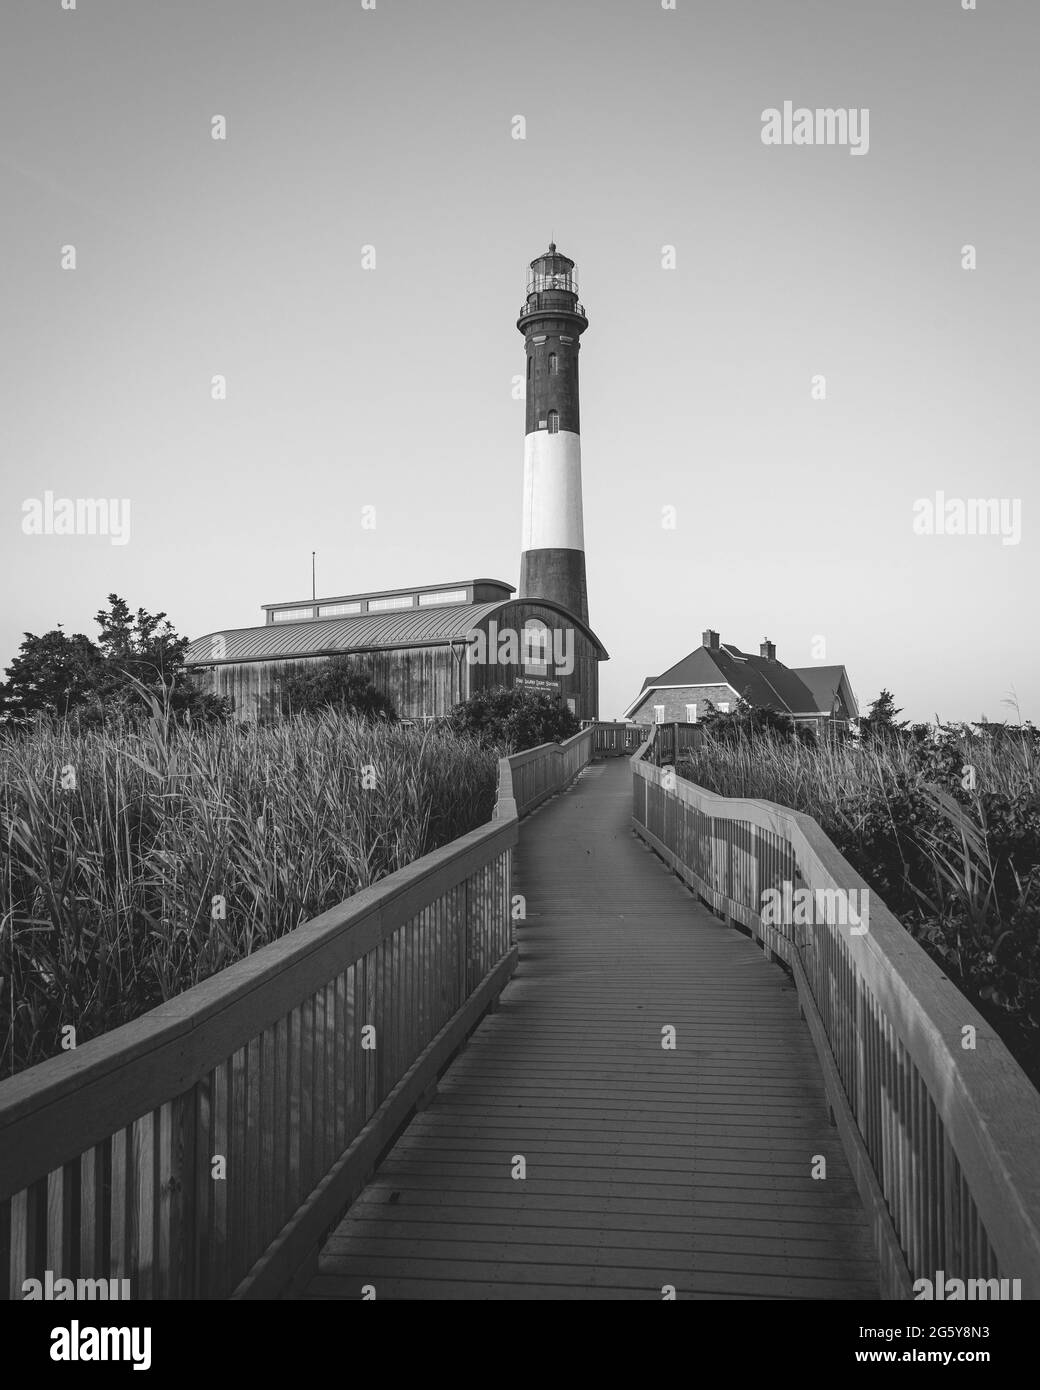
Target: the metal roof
pixel 411 627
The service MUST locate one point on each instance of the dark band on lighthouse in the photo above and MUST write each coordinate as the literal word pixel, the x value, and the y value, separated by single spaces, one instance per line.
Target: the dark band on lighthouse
pixel 552 321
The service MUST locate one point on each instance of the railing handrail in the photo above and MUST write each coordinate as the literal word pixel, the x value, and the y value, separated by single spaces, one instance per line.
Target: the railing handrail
pixel 989 1108
pixel 119 1099
pixel 255 991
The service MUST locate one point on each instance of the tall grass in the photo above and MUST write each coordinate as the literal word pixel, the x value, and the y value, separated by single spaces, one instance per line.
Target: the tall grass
pixel 108 882
pixel 945 829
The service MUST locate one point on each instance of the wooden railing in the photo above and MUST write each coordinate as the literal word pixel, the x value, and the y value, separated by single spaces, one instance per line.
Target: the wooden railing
pixel 673 739
pixel 941 1125
pixel 204 1150
pixel 543 771
pixel 617 738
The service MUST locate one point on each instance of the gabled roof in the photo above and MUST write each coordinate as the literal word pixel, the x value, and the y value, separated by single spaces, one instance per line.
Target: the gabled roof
pixel 756 679
pixel 825 686
pixel 412 627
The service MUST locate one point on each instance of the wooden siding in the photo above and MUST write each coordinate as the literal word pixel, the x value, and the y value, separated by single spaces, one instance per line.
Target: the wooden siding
pixel 420 681
pixel 581 685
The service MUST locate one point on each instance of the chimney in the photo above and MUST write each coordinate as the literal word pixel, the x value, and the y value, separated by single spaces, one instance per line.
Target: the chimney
pixel 768 650
pixel 710 639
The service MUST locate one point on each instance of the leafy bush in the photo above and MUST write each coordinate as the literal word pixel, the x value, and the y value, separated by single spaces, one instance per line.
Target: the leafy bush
pixel 334 684
pixel 748 722
pixel 511 720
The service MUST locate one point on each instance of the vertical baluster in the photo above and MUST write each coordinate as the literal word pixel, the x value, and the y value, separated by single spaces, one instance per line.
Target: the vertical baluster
pixel 200 1278
pixel 7 1291
pixel 164 1199
pixel 270 1209
pixel 341 1061
pixel 279 1069
pixel 144 1204
pixel 331 1098
pixel 306 1099
pixel 294 1074
pixel 60 1224
pixel 318 1091
pixel 119 1261
pixel 238 1168
pixel 17 1268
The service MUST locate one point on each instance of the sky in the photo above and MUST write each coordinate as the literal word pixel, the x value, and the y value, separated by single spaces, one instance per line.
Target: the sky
pixel 391 387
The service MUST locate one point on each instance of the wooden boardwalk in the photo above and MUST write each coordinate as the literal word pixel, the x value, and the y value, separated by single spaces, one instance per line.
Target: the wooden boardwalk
pixel 645 1167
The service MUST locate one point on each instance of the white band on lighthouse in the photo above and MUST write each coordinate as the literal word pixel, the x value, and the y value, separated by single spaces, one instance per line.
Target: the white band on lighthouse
pixel 552 491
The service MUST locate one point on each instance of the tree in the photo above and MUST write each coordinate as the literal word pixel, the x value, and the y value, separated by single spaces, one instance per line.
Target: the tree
pixel 880 722
pixel 335 684
pixel 51 674
pixel 138 656
pixel 514 719
pixel 746 722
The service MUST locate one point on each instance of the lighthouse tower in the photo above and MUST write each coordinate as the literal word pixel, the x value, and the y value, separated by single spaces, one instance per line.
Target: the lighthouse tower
pixel 552 321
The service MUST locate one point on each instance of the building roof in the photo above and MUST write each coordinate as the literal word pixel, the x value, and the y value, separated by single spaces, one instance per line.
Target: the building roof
pixel 756 679
pixel 825 686
pixel 411 627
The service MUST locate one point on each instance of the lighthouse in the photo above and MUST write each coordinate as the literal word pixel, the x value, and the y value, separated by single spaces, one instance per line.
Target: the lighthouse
pixel 552 321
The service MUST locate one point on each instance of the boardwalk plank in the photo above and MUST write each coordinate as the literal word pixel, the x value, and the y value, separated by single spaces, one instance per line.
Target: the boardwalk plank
pixel 645 1165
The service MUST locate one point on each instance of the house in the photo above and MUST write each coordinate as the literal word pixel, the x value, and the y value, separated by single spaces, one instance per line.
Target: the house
pixel 819 697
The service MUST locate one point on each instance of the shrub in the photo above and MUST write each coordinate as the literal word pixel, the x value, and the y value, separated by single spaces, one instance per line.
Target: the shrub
pixel 334 684
pixel 511 720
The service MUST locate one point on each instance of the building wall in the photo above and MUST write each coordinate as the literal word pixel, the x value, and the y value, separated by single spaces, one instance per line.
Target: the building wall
pixel 419 680
pixel 676 700
pixel 580 685
pixel 425 681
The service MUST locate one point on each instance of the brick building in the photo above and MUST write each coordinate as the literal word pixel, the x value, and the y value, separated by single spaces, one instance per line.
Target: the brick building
pixel 719 673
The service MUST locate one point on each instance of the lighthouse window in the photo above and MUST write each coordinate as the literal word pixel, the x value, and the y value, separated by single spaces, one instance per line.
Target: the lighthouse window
pixel 530 367
pixel 552 364
pixel 554 422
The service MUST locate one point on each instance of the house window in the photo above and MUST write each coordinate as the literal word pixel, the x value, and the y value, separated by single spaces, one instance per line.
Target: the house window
pixel 290 615
pixel 572 705
pixel 723 707
pixel 552 364
pixel 658 714
pixel 554 422
pixel 691 714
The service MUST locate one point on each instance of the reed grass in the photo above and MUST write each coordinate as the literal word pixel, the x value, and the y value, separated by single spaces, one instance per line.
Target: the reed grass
pixel 109 882
pixel 945 828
